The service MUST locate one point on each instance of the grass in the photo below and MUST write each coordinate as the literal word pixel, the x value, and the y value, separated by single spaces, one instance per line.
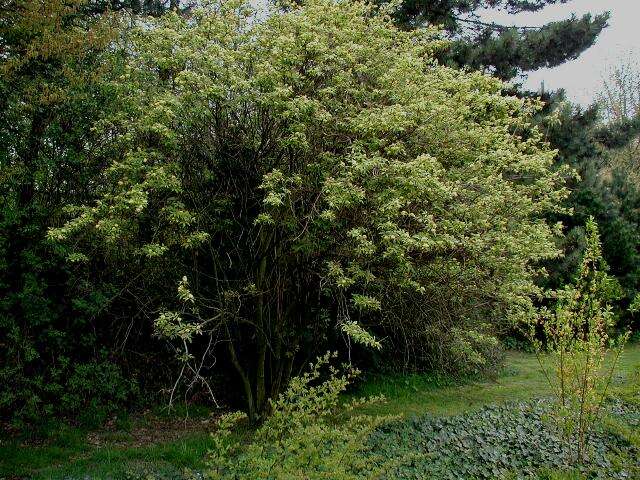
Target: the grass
pixel 68 461
pixel 166 445
pixel 521 379
pixel 116 462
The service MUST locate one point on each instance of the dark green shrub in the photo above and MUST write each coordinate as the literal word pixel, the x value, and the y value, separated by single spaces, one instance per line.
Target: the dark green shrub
pixel 95 390
pixel 52 92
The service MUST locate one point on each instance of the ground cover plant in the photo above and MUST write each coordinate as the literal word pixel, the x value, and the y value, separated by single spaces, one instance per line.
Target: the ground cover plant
pixel 508 441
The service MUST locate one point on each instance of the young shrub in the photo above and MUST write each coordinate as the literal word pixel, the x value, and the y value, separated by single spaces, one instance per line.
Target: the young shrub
pixel 309 434
pixel 577 338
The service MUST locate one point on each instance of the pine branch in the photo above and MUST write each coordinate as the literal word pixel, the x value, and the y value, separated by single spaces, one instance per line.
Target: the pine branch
pixel 496 27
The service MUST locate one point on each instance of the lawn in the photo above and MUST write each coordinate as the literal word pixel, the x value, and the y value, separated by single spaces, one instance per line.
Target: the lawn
pixel 132 447
pixel 521 379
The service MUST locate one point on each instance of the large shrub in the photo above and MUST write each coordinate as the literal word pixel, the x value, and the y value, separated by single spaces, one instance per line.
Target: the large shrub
pixel 311 174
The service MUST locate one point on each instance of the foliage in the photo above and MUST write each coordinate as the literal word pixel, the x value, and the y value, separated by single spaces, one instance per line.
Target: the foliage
pixel 439 345
pixel 510 441
pixel 506 51
pixel 95 390
pixel 603 191
pixel 52 93
pixel 577 336
pixel 308 435
pixel 312 169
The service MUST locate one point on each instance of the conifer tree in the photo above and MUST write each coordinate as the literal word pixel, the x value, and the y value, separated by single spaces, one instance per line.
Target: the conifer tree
pixel 503 50
pixel 603 190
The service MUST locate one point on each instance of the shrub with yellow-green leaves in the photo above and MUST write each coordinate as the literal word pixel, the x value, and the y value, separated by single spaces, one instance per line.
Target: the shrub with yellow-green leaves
pixel 578 338
pixel 310 434
pixel 315 172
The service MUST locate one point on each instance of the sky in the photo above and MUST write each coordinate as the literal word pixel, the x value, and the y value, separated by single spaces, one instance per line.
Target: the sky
pixel 582 78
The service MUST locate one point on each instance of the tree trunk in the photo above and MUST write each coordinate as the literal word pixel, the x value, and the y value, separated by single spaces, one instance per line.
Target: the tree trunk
pixel 262 340
pixel 246 383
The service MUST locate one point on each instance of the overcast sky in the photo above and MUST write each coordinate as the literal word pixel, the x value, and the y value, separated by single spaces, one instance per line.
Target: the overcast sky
pixel 582 78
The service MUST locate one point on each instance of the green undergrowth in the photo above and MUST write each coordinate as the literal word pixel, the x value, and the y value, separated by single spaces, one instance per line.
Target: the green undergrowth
pixel 161 445
pixel 499 441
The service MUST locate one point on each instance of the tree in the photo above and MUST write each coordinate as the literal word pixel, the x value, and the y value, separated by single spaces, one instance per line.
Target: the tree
pixel 620 101
pixel 603 190
pixel 620 94
pixel 309 173
pixel 503 50
pixel 52 92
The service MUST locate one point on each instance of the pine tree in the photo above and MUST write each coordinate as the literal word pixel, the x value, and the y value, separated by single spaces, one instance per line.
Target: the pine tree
pixel 505 51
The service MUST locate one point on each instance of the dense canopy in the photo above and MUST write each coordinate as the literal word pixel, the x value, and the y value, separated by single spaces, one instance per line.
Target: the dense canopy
pixel 197 198
pixel 315 169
